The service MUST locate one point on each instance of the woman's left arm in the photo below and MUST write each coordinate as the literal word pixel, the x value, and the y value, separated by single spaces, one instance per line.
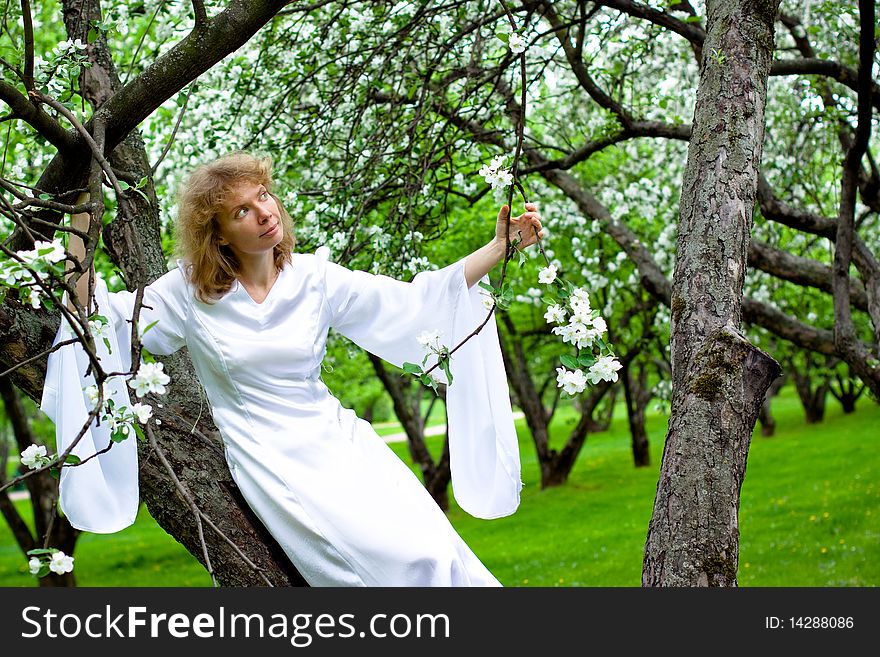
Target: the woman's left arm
pixel 480 262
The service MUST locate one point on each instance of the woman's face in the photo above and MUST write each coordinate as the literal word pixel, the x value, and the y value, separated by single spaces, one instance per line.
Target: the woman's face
pixel 249 220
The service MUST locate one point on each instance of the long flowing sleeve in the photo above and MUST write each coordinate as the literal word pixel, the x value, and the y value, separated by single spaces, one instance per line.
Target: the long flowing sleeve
pixel 101 495
pixel 384 316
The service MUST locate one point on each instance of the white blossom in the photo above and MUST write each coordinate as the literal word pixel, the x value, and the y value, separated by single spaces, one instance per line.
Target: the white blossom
pixel 142 412
pixel 517 43
pixel 571 382
pixel 33 456
pixel 494 175
pixel 98 328
pixel 604 369
pixel 547 275
pixel 34 565
pixel 150 378
pixel 50 251
pixel 555 313
pixel 429 339
pixel 92 393
pixel 61 563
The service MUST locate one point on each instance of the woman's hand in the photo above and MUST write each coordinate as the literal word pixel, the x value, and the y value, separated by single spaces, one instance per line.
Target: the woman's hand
pixel 522 228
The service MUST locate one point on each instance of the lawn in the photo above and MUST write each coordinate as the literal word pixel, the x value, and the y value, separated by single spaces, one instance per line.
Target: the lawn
pixel 808 517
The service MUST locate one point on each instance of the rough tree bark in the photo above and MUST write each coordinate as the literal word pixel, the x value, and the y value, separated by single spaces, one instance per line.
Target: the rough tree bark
pixel 719 379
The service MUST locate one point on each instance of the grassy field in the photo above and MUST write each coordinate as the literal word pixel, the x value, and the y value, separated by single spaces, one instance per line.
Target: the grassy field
pixel 809 515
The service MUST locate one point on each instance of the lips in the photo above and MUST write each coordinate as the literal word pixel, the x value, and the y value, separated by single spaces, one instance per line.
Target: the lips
pixel 271 230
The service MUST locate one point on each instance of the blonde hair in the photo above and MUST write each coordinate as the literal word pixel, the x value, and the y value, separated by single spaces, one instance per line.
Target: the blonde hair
pixel 210 266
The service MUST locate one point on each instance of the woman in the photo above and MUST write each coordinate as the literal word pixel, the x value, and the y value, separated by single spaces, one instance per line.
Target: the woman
pixel 255 317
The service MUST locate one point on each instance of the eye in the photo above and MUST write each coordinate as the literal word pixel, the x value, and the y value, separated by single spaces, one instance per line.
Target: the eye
pixel 240 213
pixel 264 195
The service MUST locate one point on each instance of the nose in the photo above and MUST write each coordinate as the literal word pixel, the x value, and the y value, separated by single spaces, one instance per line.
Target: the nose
pixel 264 211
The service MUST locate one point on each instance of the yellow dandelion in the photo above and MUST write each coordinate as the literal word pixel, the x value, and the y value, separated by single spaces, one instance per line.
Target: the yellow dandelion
pixel 813 518
pixel 748 565
pixel 525 581
pixel 826 514
pixel 824 550
pixel 842 541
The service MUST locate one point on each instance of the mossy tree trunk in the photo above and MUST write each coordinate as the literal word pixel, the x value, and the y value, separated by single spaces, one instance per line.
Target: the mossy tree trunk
pixel 718 378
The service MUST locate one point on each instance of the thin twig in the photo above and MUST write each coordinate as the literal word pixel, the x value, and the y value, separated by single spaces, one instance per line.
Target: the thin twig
pixel 28 25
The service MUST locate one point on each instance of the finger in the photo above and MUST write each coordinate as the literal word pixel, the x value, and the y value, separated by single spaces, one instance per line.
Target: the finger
pixel 503 212
pixel 531 206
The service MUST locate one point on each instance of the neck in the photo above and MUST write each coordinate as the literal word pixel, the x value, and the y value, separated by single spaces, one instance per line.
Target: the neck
pixel 257 270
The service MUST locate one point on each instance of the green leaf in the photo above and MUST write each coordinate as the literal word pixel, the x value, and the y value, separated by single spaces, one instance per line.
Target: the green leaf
pixel 429 381
pixel 486 286
pixel 444 364
pixel 140 432
pixel 45 197
pixel 145 197
pixel 107 344
pixel 586 361
pixel 503 36
pixel 54 472
pixel 569 361
pixel 412 368
pixel 149 326
pixel 93 35
pixel 563 293
pixel 73 459
pixel 124 185
pixel 39 551
pixel 118 436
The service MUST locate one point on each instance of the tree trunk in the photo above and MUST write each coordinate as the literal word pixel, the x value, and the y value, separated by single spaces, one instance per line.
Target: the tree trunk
pixel 812 399
pixel 847 392
pixel 637 395
pixel 765 415
pixel 718 378
pixel 407 407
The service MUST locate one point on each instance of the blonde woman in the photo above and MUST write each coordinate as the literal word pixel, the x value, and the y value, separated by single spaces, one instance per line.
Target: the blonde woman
pixel 254 315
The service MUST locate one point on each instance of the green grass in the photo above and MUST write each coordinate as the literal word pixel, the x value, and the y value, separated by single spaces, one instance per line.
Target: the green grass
pixel 809 515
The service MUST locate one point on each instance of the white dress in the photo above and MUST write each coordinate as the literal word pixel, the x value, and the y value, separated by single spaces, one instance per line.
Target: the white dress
pixel 340 503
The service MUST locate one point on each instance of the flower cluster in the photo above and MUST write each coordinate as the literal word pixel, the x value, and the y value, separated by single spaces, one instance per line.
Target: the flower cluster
pixel 150 377
pixel 582 327
pixel 122 419
pixel 495 175
pixel 44 561
pixel 42 260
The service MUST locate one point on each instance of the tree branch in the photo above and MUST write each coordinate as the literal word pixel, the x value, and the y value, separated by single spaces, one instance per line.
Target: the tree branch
pixel 845 338
pixel 35 117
